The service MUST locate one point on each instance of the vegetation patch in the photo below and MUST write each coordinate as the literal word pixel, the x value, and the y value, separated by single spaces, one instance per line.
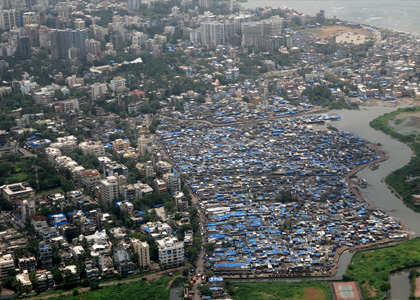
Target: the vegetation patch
pixel 134 290
pixel 371 268
pixel 398 121
pixel 313 290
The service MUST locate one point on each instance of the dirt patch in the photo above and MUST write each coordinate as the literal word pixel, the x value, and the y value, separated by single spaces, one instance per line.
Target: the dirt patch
pixel 314 294
pixel 370 289
pixel 406 123
pixel 267 295
pixel 417 291
pixel 330 31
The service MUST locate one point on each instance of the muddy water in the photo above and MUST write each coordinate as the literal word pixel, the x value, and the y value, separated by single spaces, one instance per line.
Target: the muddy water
pixel 400 284
pixel 377 193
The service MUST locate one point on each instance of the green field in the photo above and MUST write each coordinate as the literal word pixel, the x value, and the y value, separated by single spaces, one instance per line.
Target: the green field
pixel 18 177
pixel 371 268
pixel 139 290
pixel 304 290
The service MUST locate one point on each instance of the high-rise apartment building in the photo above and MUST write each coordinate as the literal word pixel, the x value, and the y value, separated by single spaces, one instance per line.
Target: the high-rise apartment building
pixel 63 40
pixel 216 33
pixel 9 19
pixel 109 190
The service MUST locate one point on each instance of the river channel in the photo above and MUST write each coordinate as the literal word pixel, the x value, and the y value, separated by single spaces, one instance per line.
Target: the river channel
pixel 400 284
pixel 377 193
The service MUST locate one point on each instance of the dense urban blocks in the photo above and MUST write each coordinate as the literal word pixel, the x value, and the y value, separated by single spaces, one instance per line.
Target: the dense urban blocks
pixel 275 195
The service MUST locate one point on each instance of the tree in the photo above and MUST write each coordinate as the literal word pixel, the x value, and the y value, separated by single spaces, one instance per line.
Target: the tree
pixel 285 197
pixel 5 168
pixel 94 285
pixel 57 275
pixel 11 283
pixel 386 286
pixel 71 233
pixel 5 205
pixel 201 99
pixel 205 290
pixel 33 247
pixel 135 258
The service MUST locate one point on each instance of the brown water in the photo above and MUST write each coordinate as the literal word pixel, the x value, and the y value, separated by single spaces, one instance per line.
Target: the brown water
pixel 377 193
pixel 400 284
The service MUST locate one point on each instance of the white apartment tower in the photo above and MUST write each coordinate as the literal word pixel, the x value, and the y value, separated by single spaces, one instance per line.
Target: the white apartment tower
pixel 118 83
pixel 9 19
pixel 109 190
pixel 6 264
pixel 171 252
pixel 98 89
pixel 216 33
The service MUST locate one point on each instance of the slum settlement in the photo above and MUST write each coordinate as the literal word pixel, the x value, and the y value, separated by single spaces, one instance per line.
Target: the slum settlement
pixel 274 194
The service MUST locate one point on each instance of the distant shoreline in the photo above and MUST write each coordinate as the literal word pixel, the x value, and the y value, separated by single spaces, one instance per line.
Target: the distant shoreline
pixel 407 16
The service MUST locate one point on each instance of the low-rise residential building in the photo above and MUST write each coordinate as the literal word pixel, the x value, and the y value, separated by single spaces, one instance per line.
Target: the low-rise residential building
pixel 147 169
pixel 105 265
pixel 45 280
pixel 25 282
pixel 65 144
pixel 45 253
pixel 27 263
pixel 143 251
pixel 160 186
pixel 120 145
pixel 92 272
pixel 16 191
pixel 42 229
pixel 7 145
pixel 52 153
pixel 115 169
pixel 90 179
pixel 163 167
pixel 6 264
pixel 71 270
pixel 123 261
pixel 174 182
pixel 171 252
pixel 95 148
pixel 181 201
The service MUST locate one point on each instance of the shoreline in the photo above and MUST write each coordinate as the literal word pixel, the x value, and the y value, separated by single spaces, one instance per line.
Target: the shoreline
pixel 386 242
pixel 339 251
pixel 292 7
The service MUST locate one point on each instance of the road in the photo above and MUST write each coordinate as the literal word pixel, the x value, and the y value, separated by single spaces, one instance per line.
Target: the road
pixel 200 263
pixel 312 112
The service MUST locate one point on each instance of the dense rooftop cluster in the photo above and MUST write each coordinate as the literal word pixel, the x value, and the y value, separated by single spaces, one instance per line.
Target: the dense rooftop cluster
pixel 112 112
pixel 275 193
